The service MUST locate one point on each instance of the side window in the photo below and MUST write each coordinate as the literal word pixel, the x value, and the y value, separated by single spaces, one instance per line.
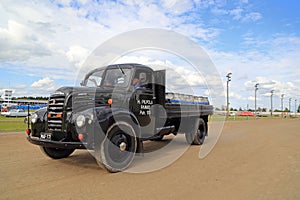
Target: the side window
pixel 142 78
pixel 94 79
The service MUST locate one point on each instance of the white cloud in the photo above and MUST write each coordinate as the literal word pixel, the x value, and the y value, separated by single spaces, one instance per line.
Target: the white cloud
pixel 63 2
pixel 242 15
pixel 236 13
pixel 193 78
pixel 266 85
pixel 252 98
pixel 263 82
pixel 42 87
pixel 180 78
pixel 244 1
pixel 45 35
pixel 41 29
pixel 219 11
pixel 43 83
pixel 271 63
pixel 210 3
pixel 19 43
pixel 150 14
pixel 253 16
pixel 77 55
pixel 178 6
pixel 177 76
pixel 236 96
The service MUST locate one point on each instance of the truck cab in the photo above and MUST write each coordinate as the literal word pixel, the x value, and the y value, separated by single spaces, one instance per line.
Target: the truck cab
pixel 133 88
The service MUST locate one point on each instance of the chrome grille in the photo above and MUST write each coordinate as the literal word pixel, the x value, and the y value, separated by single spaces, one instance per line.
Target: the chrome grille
pixel 55 112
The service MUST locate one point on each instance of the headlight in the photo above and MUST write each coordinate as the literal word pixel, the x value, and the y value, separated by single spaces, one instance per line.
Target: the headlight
pixel 80 121
pixel 34 118
pixel 90 119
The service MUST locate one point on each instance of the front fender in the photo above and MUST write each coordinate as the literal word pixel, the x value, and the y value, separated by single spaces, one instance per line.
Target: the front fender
pixel 106 117
pixel 39 126
pixel 103 118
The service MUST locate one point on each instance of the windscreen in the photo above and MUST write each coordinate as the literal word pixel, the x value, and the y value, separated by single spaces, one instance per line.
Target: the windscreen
pixel 117 77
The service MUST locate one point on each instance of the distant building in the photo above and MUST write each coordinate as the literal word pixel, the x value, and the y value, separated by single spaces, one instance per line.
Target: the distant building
pixel 6 100
pixel 7 95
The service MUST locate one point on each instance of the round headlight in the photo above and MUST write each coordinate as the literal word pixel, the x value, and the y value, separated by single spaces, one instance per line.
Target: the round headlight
pixel 34 118
pixel 80 121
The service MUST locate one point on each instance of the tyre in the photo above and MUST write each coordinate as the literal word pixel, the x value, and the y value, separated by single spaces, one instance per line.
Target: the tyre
pixel 118 149
pixel 200 133
pixel 198 137
pixel 57 153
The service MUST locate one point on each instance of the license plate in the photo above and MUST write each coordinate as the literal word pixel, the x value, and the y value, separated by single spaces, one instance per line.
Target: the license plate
pixel 46 136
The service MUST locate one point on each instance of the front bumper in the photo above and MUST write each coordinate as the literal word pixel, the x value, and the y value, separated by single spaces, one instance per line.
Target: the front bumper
pixel 56 144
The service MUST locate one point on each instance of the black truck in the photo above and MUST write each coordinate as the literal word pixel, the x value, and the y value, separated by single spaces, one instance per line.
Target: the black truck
pixel 114 110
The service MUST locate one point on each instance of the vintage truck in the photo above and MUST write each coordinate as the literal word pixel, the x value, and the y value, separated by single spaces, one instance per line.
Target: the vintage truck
pixel 114 110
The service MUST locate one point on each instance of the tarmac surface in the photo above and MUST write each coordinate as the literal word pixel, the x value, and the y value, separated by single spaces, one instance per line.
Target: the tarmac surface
pixel 255 159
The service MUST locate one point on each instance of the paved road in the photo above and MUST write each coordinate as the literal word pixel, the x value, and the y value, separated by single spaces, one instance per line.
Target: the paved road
pixel 252 160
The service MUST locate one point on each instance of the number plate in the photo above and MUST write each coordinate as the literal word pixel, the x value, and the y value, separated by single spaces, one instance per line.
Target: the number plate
pixel 46 136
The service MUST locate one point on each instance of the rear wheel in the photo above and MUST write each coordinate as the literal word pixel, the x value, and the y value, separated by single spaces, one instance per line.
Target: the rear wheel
pixel 198 137
pixel 118 149
pixel 57 153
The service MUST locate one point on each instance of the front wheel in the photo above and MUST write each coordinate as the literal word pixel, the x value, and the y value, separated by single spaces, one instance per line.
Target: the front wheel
pixel 118 149
pixel 57 153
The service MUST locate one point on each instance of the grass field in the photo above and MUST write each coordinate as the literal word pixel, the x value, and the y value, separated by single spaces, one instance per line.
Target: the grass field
pixel 238 118
pixel 9 124
pixel 232 118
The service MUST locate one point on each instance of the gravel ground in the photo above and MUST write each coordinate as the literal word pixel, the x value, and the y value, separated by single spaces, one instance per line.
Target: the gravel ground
pixel 252 160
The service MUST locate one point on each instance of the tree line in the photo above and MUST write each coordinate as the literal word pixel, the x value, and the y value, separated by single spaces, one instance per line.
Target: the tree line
pixel 30 98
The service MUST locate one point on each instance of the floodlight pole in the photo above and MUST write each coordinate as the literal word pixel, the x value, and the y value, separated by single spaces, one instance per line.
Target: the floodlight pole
pixel 256 88
pixel 295 106
pixel 290 99
pixel 272 93
pixel 227 106
pixel 282 105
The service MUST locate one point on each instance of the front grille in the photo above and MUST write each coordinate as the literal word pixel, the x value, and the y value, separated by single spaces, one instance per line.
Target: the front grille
pixel 88 100
pixel 55 112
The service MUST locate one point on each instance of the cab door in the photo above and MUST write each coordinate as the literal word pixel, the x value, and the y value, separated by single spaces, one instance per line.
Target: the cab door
pixel 142 101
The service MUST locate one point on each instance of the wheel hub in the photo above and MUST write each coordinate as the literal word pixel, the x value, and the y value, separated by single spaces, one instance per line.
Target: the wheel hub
pixel 123 146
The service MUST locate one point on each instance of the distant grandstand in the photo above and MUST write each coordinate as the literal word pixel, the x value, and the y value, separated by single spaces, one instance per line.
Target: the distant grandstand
pixel 6 101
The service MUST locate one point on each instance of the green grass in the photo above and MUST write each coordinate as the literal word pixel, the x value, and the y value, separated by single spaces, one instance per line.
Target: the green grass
pixel 11 124
pixel 232 118
pixel 241 118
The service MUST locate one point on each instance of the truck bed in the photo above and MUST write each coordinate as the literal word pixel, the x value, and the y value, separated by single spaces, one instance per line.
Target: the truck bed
pixel 183 105
pixel 187 110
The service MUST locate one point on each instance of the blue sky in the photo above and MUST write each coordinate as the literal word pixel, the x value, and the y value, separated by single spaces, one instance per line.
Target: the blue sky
pixel 43 44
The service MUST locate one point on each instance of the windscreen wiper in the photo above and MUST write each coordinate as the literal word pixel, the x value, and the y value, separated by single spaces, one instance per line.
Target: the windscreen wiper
pixel 121 70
